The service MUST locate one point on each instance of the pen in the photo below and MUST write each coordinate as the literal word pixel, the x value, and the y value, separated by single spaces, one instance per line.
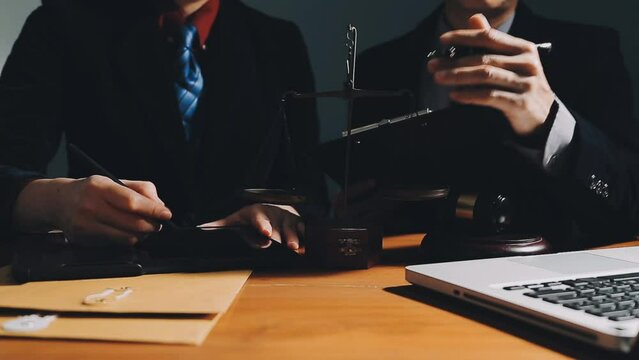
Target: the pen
pixel 453 52
pixel 100 170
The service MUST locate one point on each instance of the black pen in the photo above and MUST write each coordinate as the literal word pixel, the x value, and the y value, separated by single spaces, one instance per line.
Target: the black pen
pixel 100 170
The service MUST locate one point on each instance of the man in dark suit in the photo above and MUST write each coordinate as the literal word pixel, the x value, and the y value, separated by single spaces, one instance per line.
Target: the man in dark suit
pixel 182 94
pixel 570 110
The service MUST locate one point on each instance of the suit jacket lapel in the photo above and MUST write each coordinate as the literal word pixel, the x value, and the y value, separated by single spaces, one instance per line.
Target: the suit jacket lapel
pixel 524 24
pixel 237 112
pixel 145 67
pixel 423 40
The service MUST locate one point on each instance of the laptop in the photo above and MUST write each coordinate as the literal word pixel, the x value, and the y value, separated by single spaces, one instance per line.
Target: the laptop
pixel 592 296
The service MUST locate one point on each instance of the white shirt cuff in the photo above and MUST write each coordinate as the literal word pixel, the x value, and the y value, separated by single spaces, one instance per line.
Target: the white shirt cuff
pixel 560 135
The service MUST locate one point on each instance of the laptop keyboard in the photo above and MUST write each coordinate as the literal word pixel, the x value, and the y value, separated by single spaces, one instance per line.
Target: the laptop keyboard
pixel 615 297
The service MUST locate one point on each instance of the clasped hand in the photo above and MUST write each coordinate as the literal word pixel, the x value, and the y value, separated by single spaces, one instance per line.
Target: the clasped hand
pixel 510 79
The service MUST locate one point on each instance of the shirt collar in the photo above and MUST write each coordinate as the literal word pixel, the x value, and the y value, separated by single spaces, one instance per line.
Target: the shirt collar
pixel 203 19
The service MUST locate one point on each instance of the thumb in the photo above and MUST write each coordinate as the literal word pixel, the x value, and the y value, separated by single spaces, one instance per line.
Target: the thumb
pixel 262 223
pixel 478 21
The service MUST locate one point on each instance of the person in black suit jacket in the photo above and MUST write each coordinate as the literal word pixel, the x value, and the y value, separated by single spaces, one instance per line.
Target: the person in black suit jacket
pixel 570 110
pixel 103 73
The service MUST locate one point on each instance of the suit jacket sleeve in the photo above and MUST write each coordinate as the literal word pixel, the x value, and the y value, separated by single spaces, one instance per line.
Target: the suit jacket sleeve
pixel 599 172
pixel 599 183
pixel 30 104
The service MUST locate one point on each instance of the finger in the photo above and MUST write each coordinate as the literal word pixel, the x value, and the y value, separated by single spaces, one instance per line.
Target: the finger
pixel 288 208
pixel 235 219
pixel 145 188
pixel 285 217
pixel 490 39
pixel 128 200
pixel 258 218
pixel 498 99
pixel 478 21
pixel 254 215
pixel 259 243
pixel 276 235
pixel 262 243
pixel 520 64
pixel 126 221
pixel 289 231
pixel 483 76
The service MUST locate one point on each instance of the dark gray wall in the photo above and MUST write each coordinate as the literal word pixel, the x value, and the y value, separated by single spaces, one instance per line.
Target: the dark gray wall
pixel 323 24
pixel 12 16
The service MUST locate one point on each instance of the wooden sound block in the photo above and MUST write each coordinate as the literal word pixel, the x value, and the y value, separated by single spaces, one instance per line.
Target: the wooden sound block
pixel 343 246
pixel 439 247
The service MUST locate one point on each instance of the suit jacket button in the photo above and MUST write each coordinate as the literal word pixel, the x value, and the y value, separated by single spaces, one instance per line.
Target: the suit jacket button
pixel 593 182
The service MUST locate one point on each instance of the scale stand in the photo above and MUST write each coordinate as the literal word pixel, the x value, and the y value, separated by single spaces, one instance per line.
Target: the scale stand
pixel 343 243
pixel 349 93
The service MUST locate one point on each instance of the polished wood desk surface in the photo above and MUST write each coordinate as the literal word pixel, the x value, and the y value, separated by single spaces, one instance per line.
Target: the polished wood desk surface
pixel 365 314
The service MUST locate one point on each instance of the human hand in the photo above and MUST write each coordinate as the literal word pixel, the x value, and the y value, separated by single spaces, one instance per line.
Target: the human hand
pixel 511 79
pixel 93 209
pixel 281 223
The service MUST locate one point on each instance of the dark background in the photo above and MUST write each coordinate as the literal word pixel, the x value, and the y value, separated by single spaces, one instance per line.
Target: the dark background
pixel 323 24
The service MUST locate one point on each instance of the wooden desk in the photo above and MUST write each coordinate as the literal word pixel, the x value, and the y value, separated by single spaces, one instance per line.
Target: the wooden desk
pixel 368 314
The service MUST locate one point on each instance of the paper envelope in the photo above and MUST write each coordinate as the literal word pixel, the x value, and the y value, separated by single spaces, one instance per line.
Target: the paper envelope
pixel 181 293
pixel 164 308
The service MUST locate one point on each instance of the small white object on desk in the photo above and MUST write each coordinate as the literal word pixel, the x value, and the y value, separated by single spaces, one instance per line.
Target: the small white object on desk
pixel 29 323
pixel 107 296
